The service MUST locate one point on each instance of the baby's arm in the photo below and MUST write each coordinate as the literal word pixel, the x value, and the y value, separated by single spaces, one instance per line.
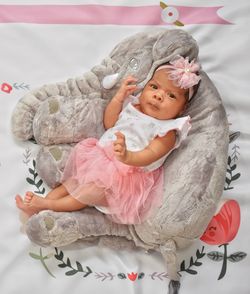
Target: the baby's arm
pixel 154 151
pixel 114 107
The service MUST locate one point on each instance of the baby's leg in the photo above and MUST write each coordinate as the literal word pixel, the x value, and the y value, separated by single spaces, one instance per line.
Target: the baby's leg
pixel 24 204
pixel 66 203
pixel 57 193
pixel 59 200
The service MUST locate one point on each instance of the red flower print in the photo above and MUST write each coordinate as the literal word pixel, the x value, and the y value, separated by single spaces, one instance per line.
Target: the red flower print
pixel 132 276
pixel 6 88
pixel 221 230
pixel 224 225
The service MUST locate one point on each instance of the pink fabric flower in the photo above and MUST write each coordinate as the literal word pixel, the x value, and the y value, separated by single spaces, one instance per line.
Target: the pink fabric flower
pixel 183 72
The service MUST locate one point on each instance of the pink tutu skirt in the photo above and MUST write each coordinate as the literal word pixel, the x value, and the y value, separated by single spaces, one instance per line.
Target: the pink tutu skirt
pixel 94 176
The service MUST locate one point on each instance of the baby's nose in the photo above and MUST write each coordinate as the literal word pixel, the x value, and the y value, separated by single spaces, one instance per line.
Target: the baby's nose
pixel 159 95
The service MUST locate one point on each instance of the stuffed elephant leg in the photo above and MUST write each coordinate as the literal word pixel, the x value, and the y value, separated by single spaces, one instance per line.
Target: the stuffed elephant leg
pixel 50 228
pixel 50 162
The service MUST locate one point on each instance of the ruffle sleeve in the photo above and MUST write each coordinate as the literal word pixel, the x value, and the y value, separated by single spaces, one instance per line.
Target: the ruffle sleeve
pixel 182 126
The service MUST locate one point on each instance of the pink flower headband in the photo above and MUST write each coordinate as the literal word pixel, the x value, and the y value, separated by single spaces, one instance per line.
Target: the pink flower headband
pixel 183 73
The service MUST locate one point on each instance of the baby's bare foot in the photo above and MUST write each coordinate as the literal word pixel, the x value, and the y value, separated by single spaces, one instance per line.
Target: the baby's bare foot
pixel 35 201
pixel 28 210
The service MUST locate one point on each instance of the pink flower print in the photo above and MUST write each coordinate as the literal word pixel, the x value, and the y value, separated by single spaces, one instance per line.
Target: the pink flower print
pixel 7 88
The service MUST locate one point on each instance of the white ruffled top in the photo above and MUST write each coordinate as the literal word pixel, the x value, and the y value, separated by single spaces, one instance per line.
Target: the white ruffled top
pixel 140 129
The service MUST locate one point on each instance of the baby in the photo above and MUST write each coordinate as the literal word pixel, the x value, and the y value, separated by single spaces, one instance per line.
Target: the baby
pixel 121 174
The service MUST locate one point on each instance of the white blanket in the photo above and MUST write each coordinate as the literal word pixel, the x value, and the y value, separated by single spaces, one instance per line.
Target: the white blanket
pixel 34 50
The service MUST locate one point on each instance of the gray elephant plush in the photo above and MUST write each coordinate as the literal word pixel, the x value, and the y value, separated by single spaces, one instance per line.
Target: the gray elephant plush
pixel 58 115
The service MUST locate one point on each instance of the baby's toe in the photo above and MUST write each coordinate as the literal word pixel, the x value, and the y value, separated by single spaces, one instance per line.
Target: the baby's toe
pixel 28 197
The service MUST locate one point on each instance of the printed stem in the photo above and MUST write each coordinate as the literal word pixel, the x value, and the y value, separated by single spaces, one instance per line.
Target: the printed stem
pixel 224 265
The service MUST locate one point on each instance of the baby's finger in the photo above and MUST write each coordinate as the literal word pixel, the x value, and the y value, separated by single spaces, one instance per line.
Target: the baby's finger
pixel 118 146
pixel 130 79
pixel 119 135
pixel 120 138
pixel 132 90
pixel 119 153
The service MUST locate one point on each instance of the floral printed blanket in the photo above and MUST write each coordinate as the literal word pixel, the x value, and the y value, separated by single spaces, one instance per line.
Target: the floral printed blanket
pixel 36 37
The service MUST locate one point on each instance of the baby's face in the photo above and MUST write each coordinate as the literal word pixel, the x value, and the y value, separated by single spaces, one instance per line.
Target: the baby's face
pixel 161 99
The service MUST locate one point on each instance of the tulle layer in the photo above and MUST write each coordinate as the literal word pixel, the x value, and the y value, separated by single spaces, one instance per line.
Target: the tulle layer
pixel 94 176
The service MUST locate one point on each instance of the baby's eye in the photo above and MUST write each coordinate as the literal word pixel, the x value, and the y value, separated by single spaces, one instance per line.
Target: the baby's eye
pixel 154 86
pixel 171 95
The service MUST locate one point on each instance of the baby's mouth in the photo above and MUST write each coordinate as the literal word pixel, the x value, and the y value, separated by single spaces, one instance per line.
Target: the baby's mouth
pixel 154 106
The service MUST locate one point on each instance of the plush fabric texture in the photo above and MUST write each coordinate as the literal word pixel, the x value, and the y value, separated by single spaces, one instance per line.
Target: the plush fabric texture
pixel 59 115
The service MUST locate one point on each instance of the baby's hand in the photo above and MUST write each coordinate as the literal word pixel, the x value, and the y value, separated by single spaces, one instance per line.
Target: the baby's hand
pixel 119 147
pixel 127 87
